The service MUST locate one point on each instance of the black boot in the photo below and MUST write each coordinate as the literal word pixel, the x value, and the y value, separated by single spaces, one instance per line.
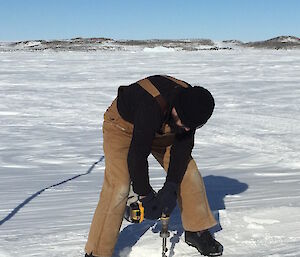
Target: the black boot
pixel 204 242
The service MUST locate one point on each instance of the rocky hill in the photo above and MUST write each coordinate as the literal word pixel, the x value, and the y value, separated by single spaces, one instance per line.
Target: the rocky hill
pixel 107 44
pixel 282 42
pixel 94 44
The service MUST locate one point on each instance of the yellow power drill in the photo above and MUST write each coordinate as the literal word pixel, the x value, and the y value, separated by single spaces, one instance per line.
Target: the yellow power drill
pixel 134 212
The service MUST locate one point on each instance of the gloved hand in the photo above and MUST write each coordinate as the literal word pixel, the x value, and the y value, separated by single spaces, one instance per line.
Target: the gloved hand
pixel 167 197
pixel 152 207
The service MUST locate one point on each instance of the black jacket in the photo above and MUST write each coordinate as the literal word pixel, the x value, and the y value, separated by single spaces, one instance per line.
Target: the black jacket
pixel 141 109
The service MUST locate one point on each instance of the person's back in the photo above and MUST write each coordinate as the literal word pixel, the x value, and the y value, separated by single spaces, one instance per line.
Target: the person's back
pixel 131 97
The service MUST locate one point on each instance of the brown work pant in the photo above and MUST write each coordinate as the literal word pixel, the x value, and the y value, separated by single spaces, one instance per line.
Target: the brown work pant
pixel 195 211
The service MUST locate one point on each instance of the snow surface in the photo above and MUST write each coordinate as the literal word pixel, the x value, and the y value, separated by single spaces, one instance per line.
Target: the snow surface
pixel 51 108
pixel 158 49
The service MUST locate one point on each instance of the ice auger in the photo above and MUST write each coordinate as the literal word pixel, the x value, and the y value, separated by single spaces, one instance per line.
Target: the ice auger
pixel 164 233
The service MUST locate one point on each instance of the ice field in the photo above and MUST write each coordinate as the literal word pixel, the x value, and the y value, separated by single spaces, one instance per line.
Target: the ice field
pixel 51 108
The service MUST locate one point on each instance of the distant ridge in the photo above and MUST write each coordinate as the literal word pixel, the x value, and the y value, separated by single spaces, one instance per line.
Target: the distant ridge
pixel 282 42
pixel 107 44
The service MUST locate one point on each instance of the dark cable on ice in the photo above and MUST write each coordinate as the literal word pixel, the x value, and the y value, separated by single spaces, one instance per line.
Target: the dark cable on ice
pixel 20 206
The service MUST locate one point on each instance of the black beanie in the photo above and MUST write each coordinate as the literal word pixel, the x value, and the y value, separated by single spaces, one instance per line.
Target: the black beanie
pixel 194 106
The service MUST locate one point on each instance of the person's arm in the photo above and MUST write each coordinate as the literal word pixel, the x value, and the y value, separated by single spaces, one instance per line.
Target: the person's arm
pixel 147 121
pixel 180 155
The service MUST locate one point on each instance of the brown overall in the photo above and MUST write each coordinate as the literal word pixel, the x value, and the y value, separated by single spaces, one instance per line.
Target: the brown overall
pixel 117 133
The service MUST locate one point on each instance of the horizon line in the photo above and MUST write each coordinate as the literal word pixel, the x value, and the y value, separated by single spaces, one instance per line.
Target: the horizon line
pixel 144 39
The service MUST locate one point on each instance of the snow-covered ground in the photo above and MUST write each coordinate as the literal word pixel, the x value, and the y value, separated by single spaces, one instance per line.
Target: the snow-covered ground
pixel 51 108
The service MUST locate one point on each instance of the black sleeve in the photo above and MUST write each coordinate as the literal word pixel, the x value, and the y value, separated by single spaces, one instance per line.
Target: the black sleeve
pixel 180 156
pixel 147 120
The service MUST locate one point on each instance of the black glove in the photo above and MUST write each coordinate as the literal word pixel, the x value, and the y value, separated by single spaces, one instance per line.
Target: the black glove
pixel 152 207
pixel 167 197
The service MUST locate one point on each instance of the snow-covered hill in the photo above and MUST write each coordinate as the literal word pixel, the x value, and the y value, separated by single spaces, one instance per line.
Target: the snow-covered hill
pixel 51 108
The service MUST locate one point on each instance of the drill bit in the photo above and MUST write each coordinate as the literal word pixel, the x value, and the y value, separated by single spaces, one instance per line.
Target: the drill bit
pixel 164 233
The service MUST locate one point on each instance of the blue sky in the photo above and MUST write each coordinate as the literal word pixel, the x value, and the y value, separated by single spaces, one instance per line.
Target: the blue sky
pixel 247 20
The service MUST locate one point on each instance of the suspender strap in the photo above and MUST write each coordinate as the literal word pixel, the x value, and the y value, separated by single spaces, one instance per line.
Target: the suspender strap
pixel 152 90
pixel 149 87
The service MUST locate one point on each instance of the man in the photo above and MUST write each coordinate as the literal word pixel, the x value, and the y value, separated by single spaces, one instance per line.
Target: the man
pixel 157 115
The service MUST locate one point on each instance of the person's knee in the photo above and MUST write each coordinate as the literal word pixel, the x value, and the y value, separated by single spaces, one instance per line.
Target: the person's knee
pixel 124 190
pixel 121 191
